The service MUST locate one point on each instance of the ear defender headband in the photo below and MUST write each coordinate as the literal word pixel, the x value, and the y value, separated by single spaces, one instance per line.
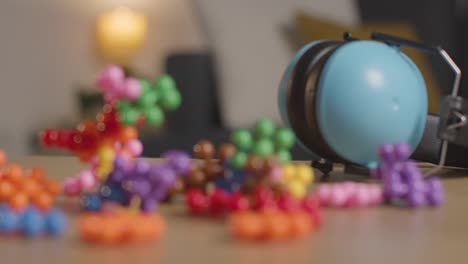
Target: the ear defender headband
pixel 344 99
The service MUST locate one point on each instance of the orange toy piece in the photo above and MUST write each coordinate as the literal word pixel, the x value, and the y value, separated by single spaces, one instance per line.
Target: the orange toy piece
pixel 120 226
pixel 14 173
pixel 36 173
pixel 20 187
pixel 277 225
pixel 52 186
pixel 300 224
pixel 270 225
pixel 247 225
pixel 7 189
pixel 127 133
pixel 31 187
pixel 19 201
pixel 42 200
pixel 2 158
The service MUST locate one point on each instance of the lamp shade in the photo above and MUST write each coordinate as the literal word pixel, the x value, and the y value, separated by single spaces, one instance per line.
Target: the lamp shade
pixel 120 33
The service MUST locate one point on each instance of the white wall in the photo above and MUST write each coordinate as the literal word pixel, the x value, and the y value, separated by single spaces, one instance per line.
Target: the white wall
pixel 47 50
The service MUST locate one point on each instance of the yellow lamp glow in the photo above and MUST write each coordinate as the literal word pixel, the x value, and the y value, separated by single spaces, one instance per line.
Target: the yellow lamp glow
pixel 120 33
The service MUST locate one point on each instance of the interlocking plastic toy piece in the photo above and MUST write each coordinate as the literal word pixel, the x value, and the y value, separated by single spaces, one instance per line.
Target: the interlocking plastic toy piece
pixel 138 179
pixel 19 188
pixel 403 181
pixel 31 222
pixel 270 225
pixel 128 102
pixel 219 203
pixel 211 168
pixel 264 142
pixel 121 226
pixel 297 178
pixel 349 195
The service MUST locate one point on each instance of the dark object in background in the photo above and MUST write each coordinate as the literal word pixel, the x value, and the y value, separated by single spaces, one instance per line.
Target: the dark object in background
pixel 198 116
pixel 195 78
pixel 437 23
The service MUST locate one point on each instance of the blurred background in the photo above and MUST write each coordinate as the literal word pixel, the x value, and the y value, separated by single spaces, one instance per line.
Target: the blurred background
pixel 227 57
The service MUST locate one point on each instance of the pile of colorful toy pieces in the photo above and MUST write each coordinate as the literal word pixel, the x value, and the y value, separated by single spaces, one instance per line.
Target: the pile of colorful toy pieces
pixel 253 183
pixel 115 181
pixel 403 182
pixel 26 202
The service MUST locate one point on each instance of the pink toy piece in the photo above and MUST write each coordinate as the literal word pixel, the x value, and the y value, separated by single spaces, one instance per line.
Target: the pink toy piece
pixel 111 78
pixel 349 187
pixel 362 196
pixel 323 194
pixel 338 197
pixel 376 194
pixel 132 90
pixel 87 180
pixel 349 195
pixel 135 147
pixel 275 174
pixel 94 162
pixel 71 187
pixel 110 98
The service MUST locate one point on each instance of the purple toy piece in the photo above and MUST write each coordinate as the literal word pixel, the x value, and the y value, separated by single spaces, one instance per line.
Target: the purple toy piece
pixel 403 181
pixel 386 152
pixel 149 205
pixel 120 163
pixel 158 193
pixel 167 177
pixel 141 168
pixel 416 199
pixel 116 176
pixel 434 191
pixel 139 187
pixel 179 160
pixel 401 152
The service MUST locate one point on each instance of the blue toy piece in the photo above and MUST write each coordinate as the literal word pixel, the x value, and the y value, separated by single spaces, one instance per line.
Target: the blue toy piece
pixel 111 192
pixel 233 179
pixel 32 223
pixel 9 220
pixel 369 93
pixel 91 202
pixel 55 222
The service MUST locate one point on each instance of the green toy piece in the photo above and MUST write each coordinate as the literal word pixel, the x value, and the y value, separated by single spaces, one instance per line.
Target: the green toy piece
pixel 268 141
pixel 242 139
pixel 284 138
pixel 239 160
pixel 162 95
pixel 263 147
pixel 264 128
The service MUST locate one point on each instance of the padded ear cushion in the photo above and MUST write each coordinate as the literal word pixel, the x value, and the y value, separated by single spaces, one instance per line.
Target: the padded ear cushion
pixel 300 95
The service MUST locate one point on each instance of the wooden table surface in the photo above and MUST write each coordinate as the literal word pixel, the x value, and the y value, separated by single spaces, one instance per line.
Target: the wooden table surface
pixel 382 235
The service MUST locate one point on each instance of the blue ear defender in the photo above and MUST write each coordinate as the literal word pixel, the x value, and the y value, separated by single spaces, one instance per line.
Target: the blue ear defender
pixel 299 80
pixel 344 99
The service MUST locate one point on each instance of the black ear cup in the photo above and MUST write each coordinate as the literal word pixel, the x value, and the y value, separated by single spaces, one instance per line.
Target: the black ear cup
pixel 300 104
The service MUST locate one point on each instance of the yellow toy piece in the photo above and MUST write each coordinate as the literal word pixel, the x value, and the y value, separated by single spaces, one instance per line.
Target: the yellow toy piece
pixel 106 155
pixel 296 178
pixel 289 171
